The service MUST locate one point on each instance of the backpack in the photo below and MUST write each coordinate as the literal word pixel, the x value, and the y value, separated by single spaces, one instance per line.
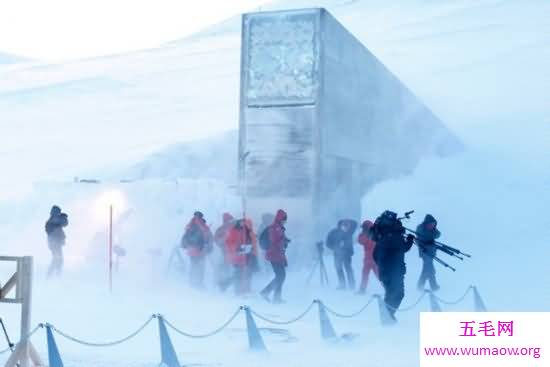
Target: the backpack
pixel 264 239
pixel 332 239
pixel 193 237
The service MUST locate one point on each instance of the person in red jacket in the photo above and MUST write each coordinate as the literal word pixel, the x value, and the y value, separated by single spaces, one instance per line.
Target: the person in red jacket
pixel 275 254
pixel 368 261
pixel 197 240
pixel 240 245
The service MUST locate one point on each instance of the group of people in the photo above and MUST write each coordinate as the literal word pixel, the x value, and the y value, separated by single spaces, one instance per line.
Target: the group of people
pixel 340 240
pixel 240 247
pixel 391 244
pixel 384 241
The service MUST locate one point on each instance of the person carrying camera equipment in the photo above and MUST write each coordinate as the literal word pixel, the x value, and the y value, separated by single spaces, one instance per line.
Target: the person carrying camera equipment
pixel 240 247
pixel 274 241
pixel 426 234
pixel 369 265
pixel 197 240
pixel 439 246
pixel 56 239
pixel 389 255
pixel 340 241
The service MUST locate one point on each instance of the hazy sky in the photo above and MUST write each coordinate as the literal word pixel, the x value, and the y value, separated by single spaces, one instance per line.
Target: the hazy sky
pixel 69 29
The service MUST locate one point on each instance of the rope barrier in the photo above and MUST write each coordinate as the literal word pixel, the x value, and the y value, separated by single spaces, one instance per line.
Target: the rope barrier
pixel 196 336
pixel 351 315
pixel 457 301
pixel 412 306
pixel 408 308
pixel 5 350
pixel 28 336
pixel 277 322
pixel 233 316
pixel 105 344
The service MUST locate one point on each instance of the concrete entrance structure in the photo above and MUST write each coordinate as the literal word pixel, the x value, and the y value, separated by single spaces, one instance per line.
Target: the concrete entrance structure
pixel 321 121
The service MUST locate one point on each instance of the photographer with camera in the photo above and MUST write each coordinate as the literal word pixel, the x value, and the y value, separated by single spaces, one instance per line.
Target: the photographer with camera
pixel 426 234
pixel 340 241
pixel 389 254
pixel 56 239
pixel 274 241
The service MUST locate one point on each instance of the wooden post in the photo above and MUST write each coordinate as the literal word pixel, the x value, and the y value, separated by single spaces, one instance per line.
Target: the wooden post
pixel 24 354
pixel 111 249
pixel 25 270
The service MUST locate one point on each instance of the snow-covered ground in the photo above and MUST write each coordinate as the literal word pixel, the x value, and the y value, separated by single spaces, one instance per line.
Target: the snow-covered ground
pixel 481 66
pixel 6 58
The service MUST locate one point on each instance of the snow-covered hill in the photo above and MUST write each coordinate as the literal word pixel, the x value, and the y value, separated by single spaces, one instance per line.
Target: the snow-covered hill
pixel 210 158
pixel 466 60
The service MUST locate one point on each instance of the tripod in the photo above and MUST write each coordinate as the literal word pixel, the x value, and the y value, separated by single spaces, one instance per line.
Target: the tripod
pixel 176 260
pixel 321 264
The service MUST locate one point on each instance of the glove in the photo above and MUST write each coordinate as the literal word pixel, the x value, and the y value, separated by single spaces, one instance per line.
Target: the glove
pixel 410 239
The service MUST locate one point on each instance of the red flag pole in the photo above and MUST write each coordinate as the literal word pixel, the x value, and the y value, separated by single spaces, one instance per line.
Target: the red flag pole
pixel 111 248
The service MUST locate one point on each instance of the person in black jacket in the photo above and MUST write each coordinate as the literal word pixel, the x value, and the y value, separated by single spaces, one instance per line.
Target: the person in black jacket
pixel 426 234
pixel 340 241
pixel 389 255
pixel 56 239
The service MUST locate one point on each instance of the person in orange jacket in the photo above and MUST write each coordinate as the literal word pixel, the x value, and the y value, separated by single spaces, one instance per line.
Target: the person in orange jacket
pixel 240 247
pixel 369 265
pixel 221 234
pixel 197 240
pixel 224 266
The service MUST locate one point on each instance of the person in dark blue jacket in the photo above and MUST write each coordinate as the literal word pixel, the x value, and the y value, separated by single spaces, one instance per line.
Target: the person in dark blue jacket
pixel 340 241
pixel 426 234
pixel 56 239
pixel 389 254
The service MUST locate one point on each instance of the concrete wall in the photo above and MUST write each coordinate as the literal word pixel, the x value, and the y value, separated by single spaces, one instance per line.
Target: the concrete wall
pixel 278 112
pixel 323 120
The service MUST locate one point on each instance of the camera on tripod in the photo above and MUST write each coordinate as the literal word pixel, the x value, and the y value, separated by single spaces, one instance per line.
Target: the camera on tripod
pixel 319 263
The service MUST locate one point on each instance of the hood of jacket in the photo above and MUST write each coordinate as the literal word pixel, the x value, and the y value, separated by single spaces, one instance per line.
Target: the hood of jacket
pixel 429 219
pixel 367 225
pixel 280 216
pixel 227 218
pixel 352 225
